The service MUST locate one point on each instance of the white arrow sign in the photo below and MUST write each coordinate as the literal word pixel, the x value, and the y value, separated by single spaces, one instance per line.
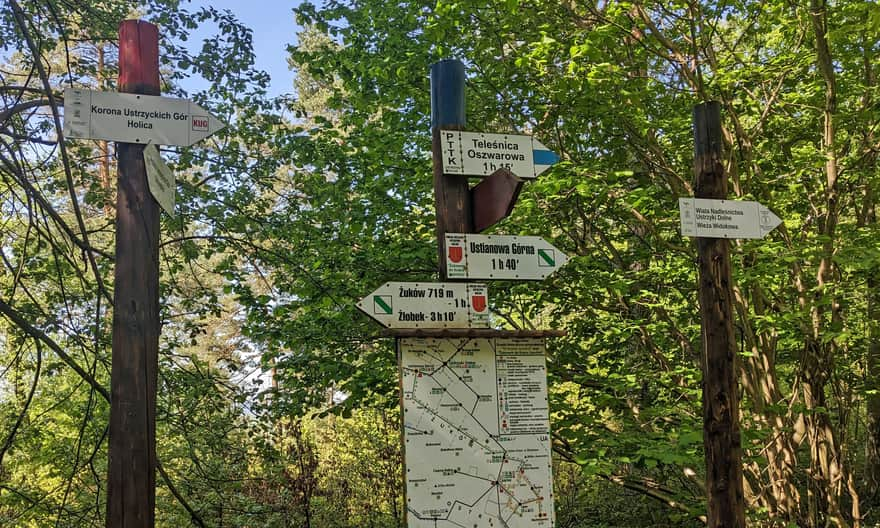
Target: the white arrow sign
pixel 470 256
pixel 705 218
pixel 476 154
pixel 132 118
pixel 428 305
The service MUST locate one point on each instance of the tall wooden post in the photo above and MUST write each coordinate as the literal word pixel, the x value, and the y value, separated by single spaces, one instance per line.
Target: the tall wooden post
pixel 131 482
pixel 452 197
pixel 721 433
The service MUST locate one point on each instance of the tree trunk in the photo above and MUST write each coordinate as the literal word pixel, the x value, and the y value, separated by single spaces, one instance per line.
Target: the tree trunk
pixel 868 217
pixel 872 445
pixel 759 379
pixel 827 474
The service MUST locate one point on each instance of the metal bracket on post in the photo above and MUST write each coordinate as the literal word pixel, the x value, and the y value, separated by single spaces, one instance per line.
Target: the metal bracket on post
pixel 493 198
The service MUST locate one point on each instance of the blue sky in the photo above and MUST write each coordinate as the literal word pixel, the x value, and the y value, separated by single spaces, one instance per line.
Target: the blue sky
pixel 274 28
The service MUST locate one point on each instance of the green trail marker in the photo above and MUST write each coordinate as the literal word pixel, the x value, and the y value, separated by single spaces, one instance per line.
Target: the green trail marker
pixel 547 255
pixel 382 305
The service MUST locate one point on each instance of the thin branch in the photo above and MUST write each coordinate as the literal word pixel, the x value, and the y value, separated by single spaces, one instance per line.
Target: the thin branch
pixel 193 515
pixel 19 18
pixel 14 316
pixel 21 89
pixel 41 200
pixel 20 107
pixel 8 443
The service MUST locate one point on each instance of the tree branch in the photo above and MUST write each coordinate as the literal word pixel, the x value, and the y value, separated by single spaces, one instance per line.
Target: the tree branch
pixel 14 316
pixel 8 443
pixel 20 107
pixel 44 77
pixel 195 516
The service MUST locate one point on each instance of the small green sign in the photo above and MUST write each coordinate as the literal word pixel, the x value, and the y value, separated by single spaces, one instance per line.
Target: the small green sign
pixel 382 304
pixel 547 258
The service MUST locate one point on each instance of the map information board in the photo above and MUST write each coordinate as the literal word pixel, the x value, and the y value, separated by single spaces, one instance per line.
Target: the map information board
pixel 476 433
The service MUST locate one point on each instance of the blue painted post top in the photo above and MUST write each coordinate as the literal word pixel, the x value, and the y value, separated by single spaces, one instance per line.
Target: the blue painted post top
pixel 447 94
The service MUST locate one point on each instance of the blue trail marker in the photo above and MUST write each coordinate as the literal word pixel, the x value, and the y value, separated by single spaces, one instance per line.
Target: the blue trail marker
pixel 477 154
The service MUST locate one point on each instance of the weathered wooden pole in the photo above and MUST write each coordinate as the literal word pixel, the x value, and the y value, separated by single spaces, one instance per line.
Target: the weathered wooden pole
pixel 721 433
pixel 452 196
pixel 131 482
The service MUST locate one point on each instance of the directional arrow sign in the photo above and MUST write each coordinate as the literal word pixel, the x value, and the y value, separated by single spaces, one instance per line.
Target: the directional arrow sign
pixel 132 118
pixel 428 305
pixel 725 218
pixel 470 256
pixel 476 154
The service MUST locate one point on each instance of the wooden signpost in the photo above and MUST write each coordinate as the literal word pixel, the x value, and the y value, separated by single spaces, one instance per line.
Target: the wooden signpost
pixel 131 480
pixel 721 433
pixel 474 399
pixel 134 118
pixel 452 196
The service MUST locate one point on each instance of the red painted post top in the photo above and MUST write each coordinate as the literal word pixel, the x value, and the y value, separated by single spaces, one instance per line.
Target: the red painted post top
pixel 138 57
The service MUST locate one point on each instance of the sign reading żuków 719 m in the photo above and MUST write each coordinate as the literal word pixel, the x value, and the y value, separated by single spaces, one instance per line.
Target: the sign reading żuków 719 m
pixel 428 305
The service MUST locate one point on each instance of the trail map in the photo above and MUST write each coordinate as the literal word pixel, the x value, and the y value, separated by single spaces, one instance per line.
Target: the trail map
pixel 477 433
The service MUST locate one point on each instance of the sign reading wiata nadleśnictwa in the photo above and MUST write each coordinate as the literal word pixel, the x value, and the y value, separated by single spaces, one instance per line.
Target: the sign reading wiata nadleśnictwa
pixel 501 257
pixel 477 154
pixel 428 305
pixel 133 118
pixel 701 217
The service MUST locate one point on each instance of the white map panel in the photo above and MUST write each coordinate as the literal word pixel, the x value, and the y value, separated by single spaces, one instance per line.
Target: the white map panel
pixel 477 433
